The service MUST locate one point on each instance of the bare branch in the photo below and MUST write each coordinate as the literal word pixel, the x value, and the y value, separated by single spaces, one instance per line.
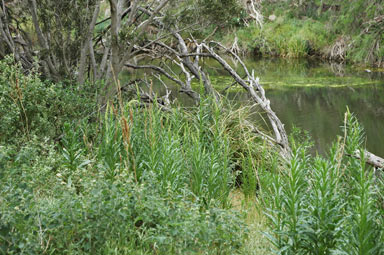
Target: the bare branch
pixel 184 87
pixel 258 95
pixel 370 158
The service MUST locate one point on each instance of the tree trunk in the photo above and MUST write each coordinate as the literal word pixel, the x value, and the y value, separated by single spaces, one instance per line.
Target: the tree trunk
pixel 87 47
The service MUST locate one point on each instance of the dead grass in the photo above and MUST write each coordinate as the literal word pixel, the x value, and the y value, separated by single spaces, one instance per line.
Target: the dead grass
pixel 256 243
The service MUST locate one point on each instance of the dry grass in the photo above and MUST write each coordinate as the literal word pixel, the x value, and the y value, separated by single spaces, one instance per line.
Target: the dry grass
pixel 256 243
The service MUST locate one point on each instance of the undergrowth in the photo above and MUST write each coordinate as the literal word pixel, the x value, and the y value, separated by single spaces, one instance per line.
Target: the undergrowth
pixel 141 182
pixel 128 180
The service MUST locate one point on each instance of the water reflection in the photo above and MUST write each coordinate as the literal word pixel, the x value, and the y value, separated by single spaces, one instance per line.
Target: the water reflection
pixel 321 112
pixel 314 97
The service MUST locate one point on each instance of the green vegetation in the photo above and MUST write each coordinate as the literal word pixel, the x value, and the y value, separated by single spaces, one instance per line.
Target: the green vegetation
pixel 338 30
pixel 286 38
pixel 31 107
pixel 92 166
pixel 140 180
pixel 328 205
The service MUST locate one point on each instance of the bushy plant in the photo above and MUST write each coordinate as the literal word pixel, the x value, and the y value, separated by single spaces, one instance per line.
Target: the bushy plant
pixel 327 206
pixel 30 106
pixel 108 217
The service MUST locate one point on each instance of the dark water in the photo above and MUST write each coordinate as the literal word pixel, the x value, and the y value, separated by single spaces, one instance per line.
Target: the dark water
pixel 321 112
pixel 315 97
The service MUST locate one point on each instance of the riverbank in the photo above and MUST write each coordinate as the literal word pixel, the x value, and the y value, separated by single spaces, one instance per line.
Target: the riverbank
pixel 342 31
pixel 313 96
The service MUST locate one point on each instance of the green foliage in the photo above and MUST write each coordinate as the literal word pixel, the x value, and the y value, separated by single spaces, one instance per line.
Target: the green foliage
pixel 221 12
pixel 177 149
pixel 111 217
pixel 327 206
pixel 286 38
pixel 66 24
pixel 313 27
pixel 141 181
pixel 29 106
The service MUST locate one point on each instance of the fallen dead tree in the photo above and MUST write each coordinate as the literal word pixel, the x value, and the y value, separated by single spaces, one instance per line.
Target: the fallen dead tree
pixel 191 68
pixel 370 158
pixel 256 91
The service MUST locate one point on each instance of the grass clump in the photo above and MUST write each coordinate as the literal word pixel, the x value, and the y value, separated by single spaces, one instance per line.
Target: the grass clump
pixel 285 38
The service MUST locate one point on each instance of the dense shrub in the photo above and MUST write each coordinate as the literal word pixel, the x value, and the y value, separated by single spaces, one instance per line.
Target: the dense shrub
pixel 30 106
pixel 111 217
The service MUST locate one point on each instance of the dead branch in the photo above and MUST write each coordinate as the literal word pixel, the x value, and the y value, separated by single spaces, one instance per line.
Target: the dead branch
pixel 257 93
pixel 370 159
pixel 184 86
pixel 150 97
pixel 254 12
pixel 191 69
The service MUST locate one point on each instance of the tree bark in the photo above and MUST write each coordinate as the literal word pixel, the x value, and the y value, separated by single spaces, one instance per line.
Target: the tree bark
pixel 116 15
pixel 41 39
pixel 87 47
